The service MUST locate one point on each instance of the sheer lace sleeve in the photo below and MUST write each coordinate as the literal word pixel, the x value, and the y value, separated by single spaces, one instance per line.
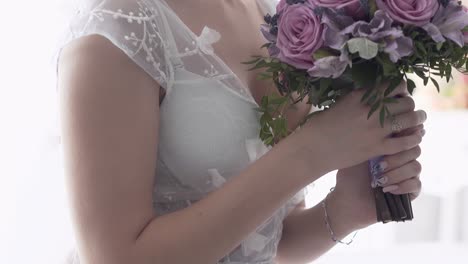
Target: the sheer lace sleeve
pixel 135 27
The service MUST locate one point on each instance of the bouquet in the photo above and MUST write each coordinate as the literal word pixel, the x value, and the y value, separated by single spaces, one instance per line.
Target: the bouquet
pixel 323 49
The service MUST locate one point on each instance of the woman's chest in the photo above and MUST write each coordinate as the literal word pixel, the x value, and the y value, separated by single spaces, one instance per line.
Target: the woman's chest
pixel 205 127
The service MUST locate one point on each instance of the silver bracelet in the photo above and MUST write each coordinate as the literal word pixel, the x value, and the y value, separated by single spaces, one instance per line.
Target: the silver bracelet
pixel 327 223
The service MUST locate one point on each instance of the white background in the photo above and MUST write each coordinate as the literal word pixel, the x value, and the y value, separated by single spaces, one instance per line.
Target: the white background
pixel 34 223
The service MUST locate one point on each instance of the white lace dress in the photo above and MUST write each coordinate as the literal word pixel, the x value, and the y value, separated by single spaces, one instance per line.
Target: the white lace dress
pixel 208 125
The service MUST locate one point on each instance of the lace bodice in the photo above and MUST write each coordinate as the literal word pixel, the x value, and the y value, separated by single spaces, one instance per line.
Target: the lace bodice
pixel 208 125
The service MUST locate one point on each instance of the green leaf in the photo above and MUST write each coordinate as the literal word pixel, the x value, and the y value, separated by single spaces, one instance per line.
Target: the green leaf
pixel 268 141
pixel 448 71
pixel 420 47
pixel 263 120
pixel 278 100
pixel 325 83
pixel 266 45
pixel 264 76
pixel 389 68
pixel 367 94
pixel 374 108
pixel 365 74
pixel 390 100
pixel 442 69
pixel 372 7
pixel 387 111
pixel 264 102
pixel 394 82
pixel 439 45
pixel 382 116
pixel 372 99
pixel 259 64
pixel 419 72
pixel 436 84
pixel 252 61
pixel 326 103
pixel 366 48
pixel 411 85
pixel 460 63
pixel 321 53
pixel 258 109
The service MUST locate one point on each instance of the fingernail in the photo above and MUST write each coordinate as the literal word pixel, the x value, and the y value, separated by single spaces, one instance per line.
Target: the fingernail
pixel 382 181
pixel 423 132
pixel 390 188
pixel 383 165
pixel 379 168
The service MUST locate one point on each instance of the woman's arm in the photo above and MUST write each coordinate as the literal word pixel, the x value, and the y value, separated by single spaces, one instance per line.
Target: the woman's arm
pixel 110 111
pixel 305 236
pixel 110 120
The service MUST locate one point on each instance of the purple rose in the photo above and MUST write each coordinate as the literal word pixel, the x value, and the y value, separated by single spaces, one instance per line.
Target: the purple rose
pixel 299 35
pixel 351 7
pixel 411 12
pixel 281 5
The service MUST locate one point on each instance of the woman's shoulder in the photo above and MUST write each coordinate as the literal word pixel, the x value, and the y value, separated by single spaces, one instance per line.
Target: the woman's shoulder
pixel 134 27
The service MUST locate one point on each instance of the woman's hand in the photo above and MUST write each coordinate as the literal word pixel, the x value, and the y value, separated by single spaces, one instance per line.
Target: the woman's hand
pixel 344 136
pixel 354 193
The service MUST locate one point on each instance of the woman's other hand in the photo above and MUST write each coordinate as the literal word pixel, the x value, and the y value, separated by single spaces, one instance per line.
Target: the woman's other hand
pixel 400 175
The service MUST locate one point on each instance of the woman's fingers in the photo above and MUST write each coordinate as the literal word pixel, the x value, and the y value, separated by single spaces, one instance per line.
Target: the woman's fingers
pixel 409 131
pixel 394 145
pixel 409 170
pixel 412 186
pixel 404 121
pixel 392 162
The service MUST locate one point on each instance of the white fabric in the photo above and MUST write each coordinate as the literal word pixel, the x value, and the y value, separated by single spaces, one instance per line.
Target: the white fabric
pixel 208 125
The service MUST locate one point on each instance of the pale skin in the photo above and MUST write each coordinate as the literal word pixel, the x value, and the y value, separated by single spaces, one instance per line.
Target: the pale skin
pixel 110 137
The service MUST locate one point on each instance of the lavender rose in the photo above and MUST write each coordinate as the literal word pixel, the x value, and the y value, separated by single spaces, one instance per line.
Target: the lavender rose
pixel 281 5
pixel 412 12
pixel 352 8
pixel 299 35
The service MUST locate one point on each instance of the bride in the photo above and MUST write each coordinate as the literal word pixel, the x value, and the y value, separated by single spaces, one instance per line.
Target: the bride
pixel 162 155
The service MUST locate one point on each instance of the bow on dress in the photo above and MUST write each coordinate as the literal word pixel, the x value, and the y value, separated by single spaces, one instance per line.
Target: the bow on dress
pixel 207 37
